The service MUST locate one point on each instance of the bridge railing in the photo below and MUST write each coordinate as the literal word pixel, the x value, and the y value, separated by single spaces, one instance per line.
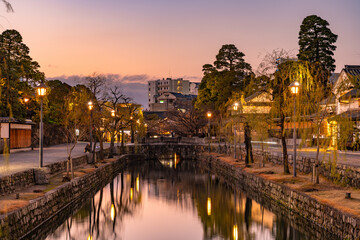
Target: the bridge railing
pixel 181 140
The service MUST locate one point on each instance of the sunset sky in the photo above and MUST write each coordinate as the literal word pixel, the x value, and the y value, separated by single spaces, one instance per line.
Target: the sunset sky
pixel 140 40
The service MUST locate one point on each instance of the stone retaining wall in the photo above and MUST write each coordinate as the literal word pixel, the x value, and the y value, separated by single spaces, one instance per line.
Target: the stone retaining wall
pixel 11 183
pixel 22 222
pixel 339 173
pixel 343 225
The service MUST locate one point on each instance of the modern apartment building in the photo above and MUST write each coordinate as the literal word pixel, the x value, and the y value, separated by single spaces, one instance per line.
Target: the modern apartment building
pixel 157 87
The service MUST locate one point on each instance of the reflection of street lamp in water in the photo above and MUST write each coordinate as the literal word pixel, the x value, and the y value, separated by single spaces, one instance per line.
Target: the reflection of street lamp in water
pixel 112 212
pixel 209 206
pixel 235 232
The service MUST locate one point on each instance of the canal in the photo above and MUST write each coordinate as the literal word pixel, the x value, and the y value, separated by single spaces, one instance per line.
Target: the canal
pixel 171 199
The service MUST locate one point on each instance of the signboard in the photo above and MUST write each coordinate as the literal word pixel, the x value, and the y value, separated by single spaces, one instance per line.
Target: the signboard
pixel 4 130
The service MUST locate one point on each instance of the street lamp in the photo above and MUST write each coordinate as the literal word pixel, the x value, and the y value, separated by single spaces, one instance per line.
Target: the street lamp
pixel 90 107
pixel 209 114
pixel 235 107
pixel 112 135
pixel 41 91
pixel 294 88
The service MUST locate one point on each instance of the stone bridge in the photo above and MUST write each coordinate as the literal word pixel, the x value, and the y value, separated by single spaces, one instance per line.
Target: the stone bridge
pixel 166 148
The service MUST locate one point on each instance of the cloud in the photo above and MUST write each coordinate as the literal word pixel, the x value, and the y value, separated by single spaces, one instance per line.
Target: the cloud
pixel 134 86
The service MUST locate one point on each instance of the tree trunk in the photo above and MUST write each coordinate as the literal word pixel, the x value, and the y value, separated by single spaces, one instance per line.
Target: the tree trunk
pixel 71 167
pixel 283 143
pixel 248 146
pixel 112 145
pixel 316 173
pixel 102 149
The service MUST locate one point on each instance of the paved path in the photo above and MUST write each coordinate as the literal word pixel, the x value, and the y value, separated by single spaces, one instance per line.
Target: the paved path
pixel 343 157
pixel 20 160
pixel 346 158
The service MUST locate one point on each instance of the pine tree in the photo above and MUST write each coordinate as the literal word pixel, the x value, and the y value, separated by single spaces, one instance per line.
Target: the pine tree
pixel 316 42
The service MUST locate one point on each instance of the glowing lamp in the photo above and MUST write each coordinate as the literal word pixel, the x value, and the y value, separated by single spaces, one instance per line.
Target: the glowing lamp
pixel 236 105
pixel 209 114
pixel 90 105
pixel 41 90
pixel 113 113
pixel 294 87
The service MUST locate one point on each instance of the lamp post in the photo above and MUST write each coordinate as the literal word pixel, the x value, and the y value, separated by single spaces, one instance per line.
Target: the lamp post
pixel 209 115
pixel 112 136
pixel 294 88
pixel 235 109
pixel 41 91
pixel 91 106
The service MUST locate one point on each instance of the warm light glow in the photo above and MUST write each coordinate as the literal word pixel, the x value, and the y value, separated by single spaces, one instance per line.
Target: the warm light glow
pixel 26 99
pixel 209 114
pixel 41 90
pixel 131 194
pixel 235 232
pixel 113 113
pixel 236 106
pixel 138 121
pixel 89 237
pixel 137 184
pixel 175 160
pixel 90 105
pixel 294 87
pixel 112 214
pixel 209 206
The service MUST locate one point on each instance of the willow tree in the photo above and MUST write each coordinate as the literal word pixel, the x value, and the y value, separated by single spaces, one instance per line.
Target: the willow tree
pixel 281 109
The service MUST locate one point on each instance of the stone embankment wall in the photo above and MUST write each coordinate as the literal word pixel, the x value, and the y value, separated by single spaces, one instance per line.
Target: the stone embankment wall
pixel 22 222
pixel 9 184
pixel 339 173
pixel 342 225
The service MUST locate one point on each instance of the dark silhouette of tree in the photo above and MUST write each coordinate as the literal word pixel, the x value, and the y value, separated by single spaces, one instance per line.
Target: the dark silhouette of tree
pixel 316 42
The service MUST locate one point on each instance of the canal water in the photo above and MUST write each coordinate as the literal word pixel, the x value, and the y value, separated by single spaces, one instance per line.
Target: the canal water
pixel 172 199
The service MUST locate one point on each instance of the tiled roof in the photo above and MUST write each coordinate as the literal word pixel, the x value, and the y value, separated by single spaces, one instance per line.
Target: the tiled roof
pixel 353 114
pixel 353 70
pixel 354 93
pixel 254 95
pixel 179 95
pixel 160 114
pixel 328 101
pixel 14 120
pixel 334 77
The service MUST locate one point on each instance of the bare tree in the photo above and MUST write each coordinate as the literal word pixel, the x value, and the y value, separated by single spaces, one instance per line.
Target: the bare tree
pixel 8 6
pixel 74 122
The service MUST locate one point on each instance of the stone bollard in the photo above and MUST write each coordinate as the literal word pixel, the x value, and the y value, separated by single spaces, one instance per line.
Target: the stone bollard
pixel 42 176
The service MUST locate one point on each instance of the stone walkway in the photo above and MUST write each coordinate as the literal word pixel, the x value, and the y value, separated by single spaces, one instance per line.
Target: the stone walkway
pixel 22 159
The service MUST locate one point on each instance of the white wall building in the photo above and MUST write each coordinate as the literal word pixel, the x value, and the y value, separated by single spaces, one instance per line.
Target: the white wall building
pixel 157 87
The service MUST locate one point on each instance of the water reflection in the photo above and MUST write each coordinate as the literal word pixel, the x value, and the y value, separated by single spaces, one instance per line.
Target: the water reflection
pixel 156 201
